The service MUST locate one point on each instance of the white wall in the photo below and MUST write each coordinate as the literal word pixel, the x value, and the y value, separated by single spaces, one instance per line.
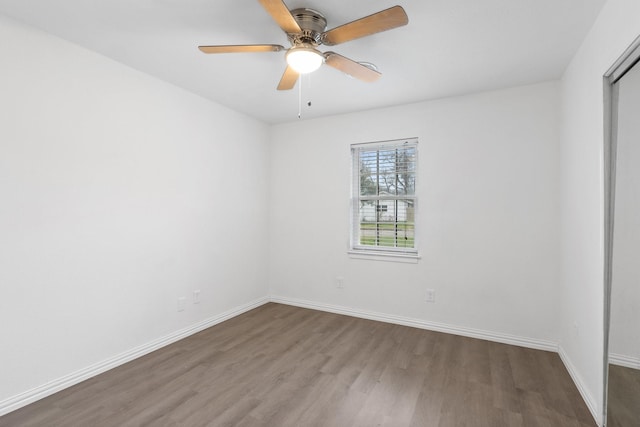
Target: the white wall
pixel 488 212
pixel 118 194
pixel 581 328
pixel 624 336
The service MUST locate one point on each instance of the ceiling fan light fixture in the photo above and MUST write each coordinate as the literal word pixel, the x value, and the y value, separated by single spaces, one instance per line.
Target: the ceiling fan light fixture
pixel 304 59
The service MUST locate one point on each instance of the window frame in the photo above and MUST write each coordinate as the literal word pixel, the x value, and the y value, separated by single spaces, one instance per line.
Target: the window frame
pixel 386 253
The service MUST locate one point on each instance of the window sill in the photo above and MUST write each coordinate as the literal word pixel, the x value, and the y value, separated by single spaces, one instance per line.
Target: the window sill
pixel 384 256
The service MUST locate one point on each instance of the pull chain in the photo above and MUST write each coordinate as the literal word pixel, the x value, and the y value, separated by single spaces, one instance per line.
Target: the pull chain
pixel 303 77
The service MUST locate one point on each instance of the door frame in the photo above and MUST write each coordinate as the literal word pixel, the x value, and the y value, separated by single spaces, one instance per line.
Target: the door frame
pixel 623 64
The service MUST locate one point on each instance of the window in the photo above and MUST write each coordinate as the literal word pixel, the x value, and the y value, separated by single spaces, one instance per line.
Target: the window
pixel 384 197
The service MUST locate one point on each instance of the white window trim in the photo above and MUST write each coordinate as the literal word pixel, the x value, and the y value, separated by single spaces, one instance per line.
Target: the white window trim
pixel 411 258
pixel 376 252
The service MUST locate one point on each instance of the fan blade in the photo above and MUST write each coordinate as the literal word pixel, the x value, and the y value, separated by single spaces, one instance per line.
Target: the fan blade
pixel 351 67
pixel 241 48
pixel 288 80
pixel 280 13
pixel 382 21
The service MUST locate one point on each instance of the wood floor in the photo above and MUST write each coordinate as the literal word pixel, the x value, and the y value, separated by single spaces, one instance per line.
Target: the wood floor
pixel 286 366
pixel 623 408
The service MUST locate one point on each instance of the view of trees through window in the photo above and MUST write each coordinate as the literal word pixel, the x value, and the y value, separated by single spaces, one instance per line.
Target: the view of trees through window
pixel 386 196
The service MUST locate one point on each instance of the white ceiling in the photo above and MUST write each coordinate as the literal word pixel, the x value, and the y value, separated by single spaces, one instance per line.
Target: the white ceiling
pixel 449 47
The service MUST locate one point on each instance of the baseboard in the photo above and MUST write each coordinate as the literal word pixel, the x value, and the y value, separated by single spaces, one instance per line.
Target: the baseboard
pixel 29 396
pixel 577 380
pixel 625 361
pixel 423 324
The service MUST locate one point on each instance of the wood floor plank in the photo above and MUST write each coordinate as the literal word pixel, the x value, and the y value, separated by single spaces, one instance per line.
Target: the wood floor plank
pixel 624 397
pixel 285 366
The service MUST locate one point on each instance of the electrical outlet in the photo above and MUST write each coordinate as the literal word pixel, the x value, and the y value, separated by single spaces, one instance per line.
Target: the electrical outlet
pixel 181 303
pixel 196 296
pixel 430 295
pixel 340 282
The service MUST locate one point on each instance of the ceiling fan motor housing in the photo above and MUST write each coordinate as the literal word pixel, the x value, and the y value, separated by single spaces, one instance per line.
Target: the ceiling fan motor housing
pixel 313 25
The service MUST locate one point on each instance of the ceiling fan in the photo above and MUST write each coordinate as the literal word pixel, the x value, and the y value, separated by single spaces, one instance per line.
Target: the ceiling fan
pixel 305 29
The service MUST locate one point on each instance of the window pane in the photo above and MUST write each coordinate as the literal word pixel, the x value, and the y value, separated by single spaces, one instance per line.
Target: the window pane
pixel 406 172
pixel 387 223
pixel 368 173
pixel 389 171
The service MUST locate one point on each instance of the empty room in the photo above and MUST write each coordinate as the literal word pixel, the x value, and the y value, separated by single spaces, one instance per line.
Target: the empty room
pixel 319 213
